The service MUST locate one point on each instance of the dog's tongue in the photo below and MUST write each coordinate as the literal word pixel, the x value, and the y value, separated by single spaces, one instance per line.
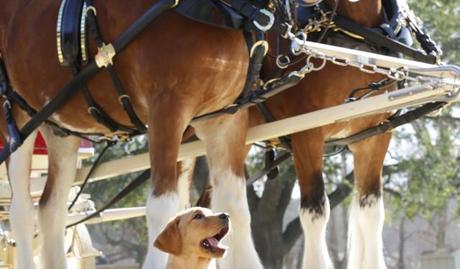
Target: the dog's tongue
pixel 213 242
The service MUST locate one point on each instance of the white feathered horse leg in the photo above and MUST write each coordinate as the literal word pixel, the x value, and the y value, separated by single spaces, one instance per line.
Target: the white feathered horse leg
pixel 62 153
pixel 160 209
pixel 367 211
pixel 22 213
pixel 225 139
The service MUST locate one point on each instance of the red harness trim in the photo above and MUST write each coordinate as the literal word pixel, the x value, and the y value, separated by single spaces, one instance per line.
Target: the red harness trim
pixel 40 145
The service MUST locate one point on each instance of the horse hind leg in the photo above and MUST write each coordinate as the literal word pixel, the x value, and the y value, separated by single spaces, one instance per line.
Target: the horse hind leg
pixel 314 209
pixel 62 170
pixel 225 146
pixel 22 212
pixel 367 211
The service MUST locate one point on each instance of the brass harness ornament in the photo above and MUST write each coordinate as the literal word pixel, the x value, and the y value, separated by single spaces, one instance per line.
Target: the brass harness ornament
pixel 104 56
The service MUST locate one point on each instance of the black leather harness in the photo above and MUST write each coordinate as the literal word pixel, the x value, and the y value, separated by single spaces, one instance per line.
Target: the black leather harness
pixel 71 32
pixel 256 20
pixel 233 14
pixel 227 14
pixel 393 36
pixel 214 13
pixel 75 16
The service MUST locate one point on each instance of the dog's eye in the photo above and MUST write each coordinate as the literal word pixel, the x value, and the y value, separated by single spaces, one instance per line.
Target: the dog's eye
pixel 198 216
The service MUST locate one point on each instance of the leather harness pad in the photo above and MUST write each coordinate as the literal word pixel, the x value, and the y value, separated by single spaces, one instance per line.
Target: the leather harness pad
pixel 70 31
pixel 211 12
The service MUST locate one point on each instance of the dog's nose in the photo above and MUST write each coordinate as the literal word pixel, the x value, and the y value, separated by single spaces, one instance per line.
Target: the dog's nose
pixel 224 216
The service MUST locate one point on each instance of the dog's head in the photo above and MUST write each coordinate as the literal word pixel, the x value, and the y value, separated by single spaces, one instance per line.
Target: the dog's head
pixel 196 231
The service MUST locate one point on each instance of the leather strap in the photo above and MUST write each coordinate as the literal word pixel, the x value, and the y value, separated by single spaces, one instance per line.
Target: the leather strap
pixel 211 12
pixel 388 125
pixel 378 40
pixel 124 99
pixel 88 72
pixel 138 181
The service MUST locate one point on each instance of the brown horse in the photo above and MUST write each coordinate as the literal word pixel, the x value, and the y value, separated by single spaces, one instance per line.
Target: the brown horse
pixel 330 87
pixel 314 203
pixel 176 69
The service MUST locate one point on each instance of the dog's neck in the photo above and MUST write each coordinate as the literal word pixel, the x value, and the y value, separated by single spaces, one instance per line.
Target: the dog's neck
pixel 187 262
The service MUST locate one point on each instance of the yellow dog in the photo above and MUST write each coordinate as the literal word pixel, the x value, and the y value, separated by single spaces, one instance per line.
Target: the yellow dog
pixel 193 237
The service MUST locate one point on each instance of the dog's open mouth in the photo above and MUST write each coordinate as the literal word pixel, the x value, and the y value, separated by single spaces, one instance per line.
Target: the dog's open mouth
pixel 213 243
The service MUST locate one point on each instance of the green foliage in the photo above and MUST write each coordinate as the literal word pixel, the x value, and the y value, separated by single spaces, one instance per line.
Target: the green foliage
pixel 426 176
pixel 441 18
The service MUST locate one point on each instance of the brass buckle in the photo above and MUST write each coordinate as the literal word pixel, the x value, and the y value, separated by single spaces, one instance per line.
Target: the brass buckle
pixel 105 55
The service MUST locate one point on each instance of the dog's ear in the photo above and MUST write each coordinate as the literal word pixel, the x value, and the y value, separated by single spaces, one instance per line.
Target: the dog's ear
pixel 169 240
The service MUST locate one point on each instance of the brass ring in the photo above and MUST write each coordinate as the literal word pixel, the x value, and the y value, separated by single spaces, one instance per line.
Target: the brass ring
pixel 7 105
pixel 91 8
pixel 262 43
pixel 124 96
pixel 91 109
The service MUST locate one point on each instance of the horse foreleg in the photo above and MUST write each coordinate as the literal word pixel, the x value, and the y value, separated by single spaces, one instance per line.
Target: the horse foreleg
pixel 225 146
pixel 22 213
pixel 166 127
pixel 159 210
pixel 314 208
pixel 367 212
pixel 62 154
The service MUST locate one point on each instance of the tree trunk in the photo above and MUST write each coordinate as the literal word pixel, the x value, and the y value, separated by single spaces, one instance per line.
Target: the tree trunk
pixel 441 228
pixel 267 214
pixel 402 242
pixel 269 244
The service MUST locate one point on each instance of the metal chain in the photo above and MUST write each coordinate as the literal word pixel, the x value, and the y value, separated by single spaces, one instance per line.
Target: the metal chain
pixel 391 73
pixel 316 25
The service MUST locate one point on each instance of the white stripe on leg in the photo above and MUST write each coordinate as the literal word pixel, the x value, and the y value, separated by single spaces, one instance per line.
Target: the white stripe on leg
pixel 355 238
pixel 371 220
pixel 316 254
pixel 53 209
pixel 158 212
pixel 229 195
pixel 22 210
pixel 366 223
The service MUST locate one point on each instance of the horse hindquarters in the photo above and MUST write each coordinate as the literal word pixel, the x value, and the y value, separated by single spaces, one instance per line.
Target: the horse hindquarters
pixel 63 152
pixel 367 212
pixel 224 138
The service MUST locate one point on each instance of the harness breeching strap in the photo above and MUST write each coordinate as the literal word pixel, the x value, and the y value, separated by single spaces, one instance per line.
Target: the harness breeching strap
pixel 88 72
pixel 94 109
pixel 123 98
